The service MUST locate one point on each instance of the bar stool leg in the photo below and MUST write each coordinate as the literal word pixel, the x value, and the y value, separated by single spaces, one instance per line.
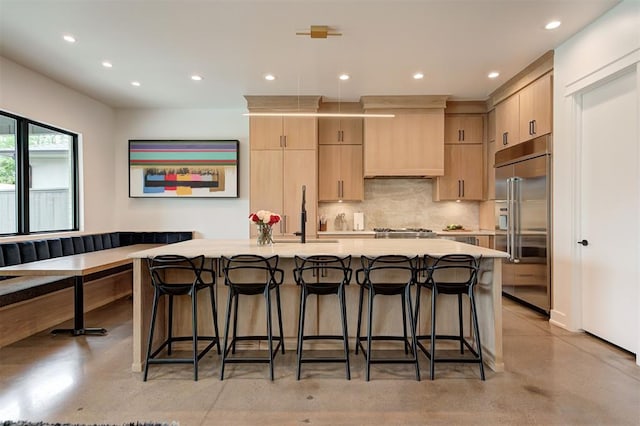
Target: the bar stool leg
pixel 345 333
pixel 303 307
pixel 170 328
pixel 358 328
pixel 194 324
pixel 432 363
pixel 460 324
pixel 214 312
pixel 280 318
pixel 225 349
pixel 235 323
pixel 477 332
pixel 404 323
pixel 152 326
pixel 369 338
pixel 412 325
pixel 269 330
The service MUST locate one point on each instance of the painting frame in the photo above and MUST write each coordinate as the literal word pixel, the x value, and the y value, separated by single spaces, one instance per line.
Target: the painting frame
pixel 183 168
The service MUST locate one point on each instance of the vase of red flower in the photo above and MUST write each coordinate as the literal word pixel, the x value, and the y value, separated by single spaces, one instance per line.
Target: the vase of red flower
pixel 264 220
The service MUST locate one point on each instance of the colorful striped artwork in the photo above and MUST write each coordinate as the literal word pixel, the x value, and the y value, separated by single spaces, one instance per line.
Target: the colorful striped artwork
pixel 183 168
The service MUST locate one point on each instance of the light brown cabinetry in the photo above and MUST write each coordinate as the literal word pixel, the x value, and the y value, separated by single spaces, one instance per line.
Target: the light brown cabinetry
pixel 334 131
pixel 276 181
pixel 283 133
pixel 490 172
pixel 463 128
pixel 410 144
pixel 507 122
pixel 340 173
pixel 463 177
pixel 535 109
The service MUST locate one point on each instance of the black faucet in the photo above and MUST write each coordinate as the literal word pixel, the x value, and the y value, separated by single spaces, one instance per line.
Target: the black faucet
pixel 303 217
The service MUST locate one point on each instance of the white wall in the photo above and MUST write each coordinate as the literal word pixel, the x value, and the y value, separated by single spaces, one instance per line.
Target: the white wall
pixel 211 217
pixel 34 96
pixel 600 50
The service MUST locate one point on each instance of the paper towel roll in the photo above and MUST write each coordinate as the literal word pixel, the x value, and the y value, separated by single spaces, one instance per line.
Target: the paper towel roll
pixel 358 221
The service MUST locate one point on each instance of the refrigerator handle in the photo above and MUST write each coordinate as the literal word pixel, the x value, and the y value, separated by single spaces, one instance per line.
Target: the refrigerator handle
pixel 516 249
pixel 509 221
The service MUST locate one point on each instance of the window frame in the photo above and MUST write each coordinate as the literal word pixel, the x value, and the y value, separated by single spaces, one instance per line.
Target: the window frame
pixel 23 176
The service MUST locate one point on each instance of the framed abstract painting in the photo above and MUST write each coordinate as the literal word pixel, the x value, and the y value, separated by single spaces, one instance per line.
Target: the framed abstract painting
pixel 183 168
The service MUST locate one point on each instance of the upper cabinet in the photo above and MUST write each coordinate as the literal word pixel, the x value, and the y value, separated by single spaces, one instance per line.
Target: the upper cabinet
pixel 463 177
pixel 340 131
pixel 283 133
pixel 507 122
pixel 535 109
pixel 340 173
pixel 526 114
pixel 463 128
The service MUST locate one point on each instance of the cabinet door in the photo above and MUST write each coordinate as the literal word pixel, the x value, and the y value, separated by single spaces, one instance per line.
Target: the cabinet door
pixel 535 109
pixel 491 171
pixel 491 124
pixel 329 172
pixel 265 132
pixel 300 168
pixel 300 132
pixel 470 158
pixel 266 183
pixel 329 131
pixel 351 129
pixel 352 180
pixel 507 122
pixel 410 144
pixel 463 128
pixel 463 177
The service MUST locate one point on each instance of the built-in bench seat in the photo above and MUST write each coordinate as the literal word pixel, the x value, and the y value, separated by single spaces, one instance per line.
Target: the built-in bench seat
pixel 16 290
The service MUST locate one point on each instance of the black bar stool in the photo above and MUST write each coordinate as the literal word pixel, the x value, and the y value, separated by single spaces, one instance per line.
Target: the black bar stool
pixel 250 275
pixel 389 275
pixel 454 274
pixel 173 275
pixel 322 275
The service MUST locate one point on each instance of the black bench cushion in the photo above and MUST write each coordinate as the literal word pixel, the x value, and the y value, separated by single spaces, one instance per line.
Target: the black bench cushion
pixel 106 241
pixel 97 242
pixel 11 253
pixel 27 251
pixel 42 249
pixel 78 245
pixel 67 246
pixel 87 240
pixel 55 247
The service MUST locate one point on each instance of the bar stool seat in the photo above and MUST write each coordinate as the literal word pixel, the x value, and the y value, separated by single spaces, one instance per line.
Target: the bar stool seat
pixel 388 275
pixel 322 275
pixel 454 274
pixel 174 275
pixel 251 275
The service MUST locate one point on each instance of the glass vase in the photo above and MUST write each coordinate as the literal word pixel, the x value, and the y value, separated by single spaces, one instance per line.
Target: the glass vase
pixel 265 234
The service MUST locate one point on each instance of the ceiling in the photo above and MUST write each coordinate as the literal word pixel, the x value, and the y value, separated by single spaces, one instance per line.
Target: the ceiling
pixel 233 44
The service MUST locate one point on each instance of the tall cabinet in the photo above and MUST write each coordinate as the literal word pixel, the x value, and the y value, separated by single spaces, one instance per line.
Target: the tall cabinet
pixel 340 173
pixel 283 158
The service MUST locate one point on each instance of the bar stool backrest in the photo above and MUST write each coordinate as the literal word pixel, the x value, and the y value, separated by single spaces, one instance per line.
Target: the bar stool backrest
pixel 452 272
pixel 249 270
pixel 322 270
pixel 178 275
pixel 387 270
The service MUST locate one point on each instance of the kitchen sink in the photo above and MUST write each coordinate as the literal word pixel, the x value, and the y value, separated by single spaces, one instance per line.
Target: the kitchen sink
pixel 309 241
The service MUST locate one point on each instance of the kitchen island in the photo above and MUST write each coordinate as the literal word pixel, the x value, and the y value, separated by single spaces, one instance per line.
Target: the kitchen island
pixel 488 291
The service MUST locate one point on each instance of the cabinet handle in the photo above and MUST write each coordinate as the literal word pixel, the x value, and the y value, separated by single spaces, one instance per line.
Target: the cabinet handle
pixel 284 138
pixel 462 131
pixel 505 138
pixel 280 141
pixel 533 127
pixel 338 189
pixel 462 188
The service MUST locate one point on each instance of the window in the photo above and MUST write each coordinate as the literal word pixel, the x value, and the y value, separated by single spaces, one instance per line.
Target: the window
pixel 38 177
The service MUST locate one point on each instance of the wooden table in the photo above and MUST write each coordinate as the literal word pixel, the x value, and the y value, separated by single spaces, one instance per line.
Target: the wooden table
pixel 488 291
pixel 82 267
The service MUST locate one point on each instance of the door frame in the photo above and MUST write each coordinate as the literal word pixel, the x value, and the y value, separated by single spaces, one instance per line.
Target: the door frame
pixel 575 92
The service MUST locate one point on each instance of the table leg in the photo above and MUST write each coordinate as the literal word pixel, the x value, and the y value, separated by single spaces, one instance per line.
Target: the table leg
pixel 78 316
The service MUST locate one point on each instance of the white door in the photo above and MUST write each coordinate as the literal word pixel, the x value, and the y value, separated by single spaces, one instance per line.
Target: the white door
pixel 609 212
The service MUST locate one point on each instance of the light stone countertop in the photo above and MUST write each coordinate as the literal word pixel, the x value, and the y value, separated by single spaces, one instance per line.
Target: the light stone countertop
pixel 348 246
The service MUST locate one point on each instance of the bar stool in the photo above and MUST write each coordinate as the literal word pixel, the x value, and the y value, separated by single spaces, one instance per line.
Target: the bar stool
pixel 454 274
pixel 250 275
pixel 173 275
pixel 388 275
pixel 323 275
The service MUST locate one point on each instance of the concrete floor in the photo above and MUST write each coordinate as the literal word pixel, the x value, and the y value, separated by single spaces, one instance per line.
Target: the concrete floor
pixel 552 377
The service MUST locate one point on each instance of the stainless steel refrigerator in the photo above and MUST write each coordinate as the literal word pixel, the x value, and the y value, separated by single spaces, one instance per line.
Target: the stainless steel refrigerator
pixel 523 221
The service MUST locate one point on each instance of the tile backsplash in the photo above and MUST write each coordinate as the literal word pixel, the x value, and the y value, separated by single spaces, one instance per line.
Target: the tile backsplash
pixel 400 203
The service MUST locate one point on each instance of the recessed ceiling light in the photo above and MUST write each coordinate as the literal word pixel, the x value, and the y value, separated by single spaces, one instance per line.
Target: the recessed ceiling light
pixel 493 74
pixel 418 76
pixel 344 77
pixel 107 64
pixel 69 38
pixel 269 77
pixel 552 25
pixel 135 83
pixel 196 77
